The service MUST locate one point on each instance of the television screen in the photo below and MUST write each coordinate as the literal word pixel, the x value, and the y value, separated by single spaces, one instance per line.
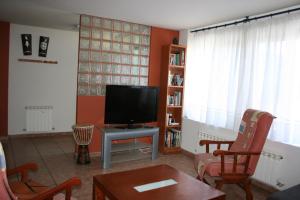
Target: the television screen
pixel 130 104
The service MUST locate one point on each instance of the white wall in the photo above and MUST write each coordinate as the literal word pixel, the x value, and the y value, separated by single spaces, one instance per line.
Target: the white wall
pixel 36 84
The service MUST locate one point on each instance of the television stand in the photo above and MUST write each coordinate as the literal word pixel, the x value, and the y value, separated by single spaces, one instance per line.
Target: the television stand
pixel 130 126
pixel 110 134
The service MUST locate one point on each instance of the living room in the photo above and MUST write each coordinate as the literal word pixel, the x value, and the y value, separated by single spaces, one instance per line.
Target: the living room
pixel 221 55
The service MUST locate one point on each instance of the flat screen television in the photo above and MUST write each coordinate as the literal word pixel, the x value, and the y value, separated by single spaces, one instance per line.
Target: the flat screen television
pixel 130 104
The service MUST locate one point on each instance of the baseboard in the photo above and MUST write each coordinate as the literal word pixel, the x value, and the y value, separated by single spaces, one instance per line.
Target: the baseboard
pixel 40 134
pixel 187 153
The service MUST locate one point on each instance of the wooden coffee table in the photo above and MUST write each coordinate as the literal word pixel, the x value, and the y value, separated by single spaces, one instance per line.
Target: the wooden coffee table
pixel 121 185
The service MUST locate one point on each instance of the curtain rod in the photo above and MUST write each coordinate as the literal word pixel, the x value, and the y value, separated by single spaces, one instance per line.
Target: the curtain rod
pixel 247 19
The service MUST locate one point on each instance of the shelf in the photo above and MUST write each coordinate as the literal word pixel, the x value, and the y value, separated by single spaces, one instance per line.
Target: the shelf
pixel 175 86
pixel 174 106
pixel 38 61
pixel 172 149
pixel 176 67
pixel 173 126
pixel 129 146
pixel 129 156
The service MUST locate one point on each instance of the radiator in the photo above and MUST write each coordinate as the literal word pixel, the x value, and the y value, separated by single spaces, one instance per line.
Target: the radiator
pixel 268 167
pixel 38 118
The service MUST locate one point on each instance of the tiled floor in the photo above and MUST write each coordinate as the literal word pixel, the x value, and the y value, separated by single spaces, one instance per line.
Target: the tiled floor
pixel 54 155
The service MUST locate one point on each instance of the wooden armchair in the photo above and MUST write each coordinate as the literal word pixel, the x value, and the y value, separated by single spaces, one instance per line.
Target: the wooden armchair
pixel 238 163
pixel 26 189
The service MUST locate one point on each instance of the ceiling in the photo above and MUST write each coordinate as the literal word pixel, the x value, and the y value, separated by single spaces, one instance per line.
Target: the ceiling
pixel 172 14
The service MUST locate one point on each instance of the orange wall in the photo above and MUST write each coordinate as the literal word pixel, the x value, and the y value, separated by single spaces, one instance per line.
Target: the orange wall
pixel 90 109
pixel 4 56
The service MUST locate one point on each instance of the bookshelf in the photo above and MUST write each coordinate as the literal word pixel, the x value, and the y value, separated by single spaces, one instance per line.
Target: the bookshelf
pixel 171 102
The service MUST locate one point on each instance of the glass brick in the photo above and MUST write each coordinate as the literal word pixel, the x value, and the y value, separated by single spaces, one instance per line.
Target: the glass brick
pixel 144 51
pixel 126 48
pixel 83 90
pixel 107 79
pixel 126 27
pixel 144 60
pixel 95 56
pixel 85 20
pixel 95 79
pixel 145 40
pixel 116 58
pixel 126 38
pixel 96 22
pixel 95 67
pixel 83 78
pixel 116 47
pixel 96 34
pixel 135 71
pixel 136 49
pixel 116 80
pixel 144 71
pixel 135 39
pixel 125 59
pixel 103 90
pixel 117 36
pixel 84 44
pixel 125 70
pixel 95 45
pixel 95 90
pixel 134 81
pixel 135 60
pixel 106 46
pixel 84 56
pixel 106 35
pixel 135 28
pixel 84 67
pixel 145 30
pixel 84 32
pixel 106 57
pixel 116 69
pixel 106 68
pixel 106 24
pixel 117 26
pixel 143 81
pixel 125 80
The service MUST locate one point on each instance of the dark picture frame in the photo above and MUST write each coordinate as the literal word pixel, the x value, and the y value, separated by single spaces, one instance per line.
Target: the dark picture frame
pixel 26 44
pixel 43 46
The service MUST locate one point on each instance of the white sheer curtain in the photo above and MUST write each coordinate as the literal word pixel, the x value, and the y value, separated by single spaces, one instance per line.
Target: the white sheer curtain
pixel 252 65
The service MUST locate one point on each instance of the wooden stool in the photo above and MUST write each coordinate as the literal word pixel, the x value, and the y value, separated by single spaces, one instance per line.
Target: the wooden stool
pixel 83 136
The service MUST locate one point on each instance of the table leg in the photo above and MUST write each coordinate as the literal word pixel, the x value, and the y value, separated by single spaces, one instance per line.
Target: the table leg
pixel 97 193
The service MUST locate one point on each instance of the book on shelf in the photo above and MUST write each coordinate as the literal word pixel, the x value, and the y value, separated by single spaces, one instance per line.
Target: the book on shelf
pixel 175 59
pixel 182 58
pixel 175 99
pixel 173 138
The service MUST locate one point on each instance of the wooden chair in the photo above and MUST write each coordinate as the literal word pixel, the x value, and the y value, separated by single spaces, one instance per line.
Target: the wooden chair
pixel 26 188
pixel 237 164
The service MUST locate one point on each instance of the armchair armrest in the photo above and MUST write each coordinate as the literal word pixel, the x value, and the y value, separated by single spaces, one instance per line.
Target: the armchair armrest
pixel 235 155
pixel 67 186
pixel 23 170
pixel 218 143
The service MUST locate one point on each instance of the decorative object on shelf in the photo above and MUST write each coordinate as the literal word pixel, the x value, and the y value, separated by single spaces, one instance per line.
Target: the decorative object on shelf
pixel 111 52
pixel 175 41
pixel 26 44
pixel 43 46
pixel 38 61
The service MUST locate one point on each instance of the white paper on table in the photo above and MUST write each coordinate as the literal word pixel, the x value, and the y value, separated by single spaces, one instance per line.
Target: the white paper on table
pixel 155 185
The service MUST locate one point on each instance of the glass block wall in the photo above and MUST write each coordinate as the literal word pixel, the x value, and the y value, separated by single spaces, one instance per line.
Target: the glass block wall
pixel 111 52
